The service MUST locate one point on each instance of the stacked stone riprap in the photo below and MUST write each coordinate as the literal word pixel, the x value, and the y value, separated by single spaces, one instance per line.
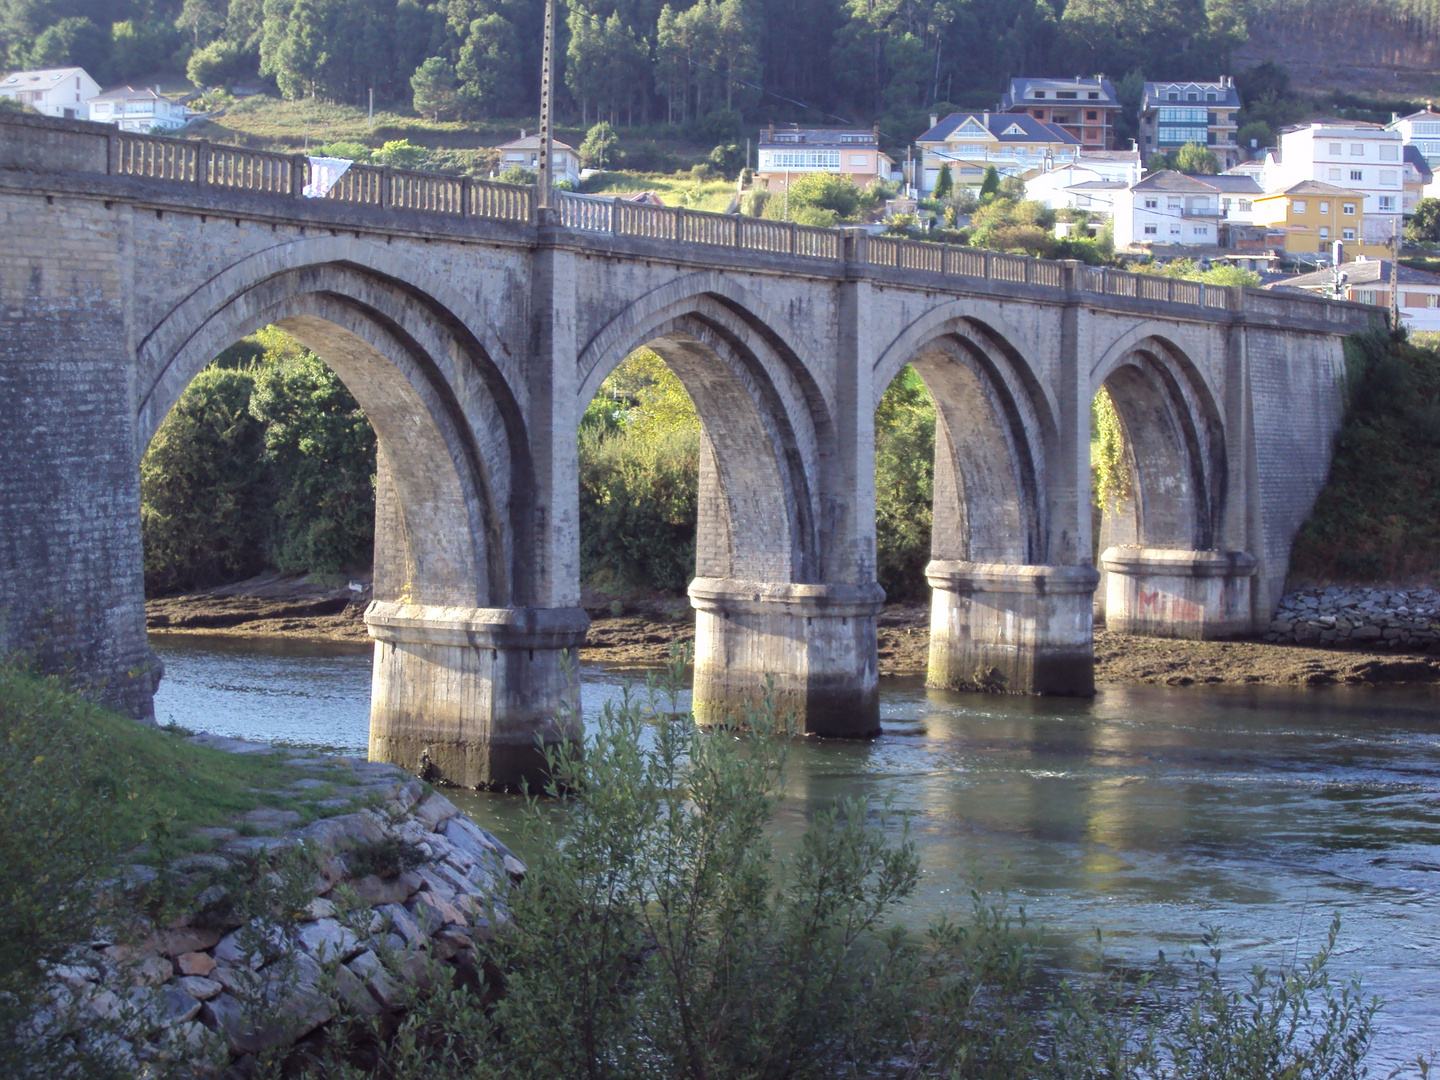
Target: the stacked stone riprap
pixel 205 991
pixel 1359 616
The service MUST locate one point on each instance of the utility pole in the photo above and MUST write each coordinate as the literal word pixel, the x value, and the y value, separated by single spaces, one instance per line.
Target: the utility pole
pixel 372 106
pixel 1395 277
pixel 546 182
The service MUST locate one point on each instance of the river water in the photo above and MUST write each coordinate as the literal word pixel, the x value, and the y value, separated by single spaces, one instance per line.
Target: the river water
pixel 1147 813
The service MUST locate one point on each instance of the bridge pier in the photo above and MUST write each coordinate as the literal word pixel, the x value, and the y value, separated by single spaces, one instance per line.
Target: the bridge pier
pixel 1163 592
pixel 461 694
pixel 1021 629
pixel 816 642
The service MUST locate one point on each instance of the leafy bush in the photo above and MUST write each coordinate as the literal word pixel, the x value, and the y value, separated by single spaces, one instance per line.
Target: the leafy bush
pixel 1378 516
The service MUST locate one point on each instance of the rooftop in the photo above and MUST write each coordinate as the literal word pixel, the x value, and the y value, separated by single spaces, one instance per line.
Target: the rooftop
pixel 1362 272
pixel 1170 180
pixel 39 79
pixel 826 137
pixel 532 142
pixel 129 93
pixel 1024 91
pixel 1221 93
pixel 1002 127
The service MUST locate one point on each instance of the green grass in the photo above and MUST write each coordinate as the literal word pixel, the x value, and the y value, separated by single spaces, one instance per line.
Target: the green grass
pixel 139 776
pixel 676 189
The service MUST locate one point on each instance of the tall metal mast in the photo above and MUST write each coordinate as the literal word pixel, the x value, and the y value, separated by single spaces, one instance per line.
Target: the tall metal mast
pixel 546 182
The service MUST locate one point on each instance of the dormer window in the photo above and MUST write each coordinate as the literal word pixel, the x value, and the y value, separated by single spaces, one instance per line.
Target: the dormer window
pixel 1094 95
pixel 1068 95
pixel 1039 93
pixel 786 138
pixel 1173 96
pixel 1192 97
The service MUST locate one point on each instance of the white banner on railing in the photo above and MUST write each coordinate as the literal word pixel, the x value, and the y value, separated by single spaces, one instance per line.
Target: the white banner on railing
pixel 325 173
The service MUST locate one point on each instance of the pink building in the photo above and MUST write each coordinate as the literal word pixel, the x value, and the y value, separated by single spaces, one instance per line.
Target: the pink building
pixel 795 151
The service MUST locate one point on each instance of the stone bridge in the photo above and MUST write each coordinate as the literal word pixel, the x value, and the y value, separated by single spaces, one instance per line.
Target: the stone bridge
pixel 474 327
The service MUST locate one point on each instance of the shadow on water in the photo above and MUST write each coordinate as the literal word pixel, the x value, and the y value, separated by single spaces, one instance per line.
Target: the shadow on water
pixel 1147 813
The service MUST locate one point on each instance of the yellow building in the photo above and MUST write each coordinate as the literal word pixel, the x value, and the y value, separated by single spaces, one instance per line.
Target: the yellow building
pixel 1313 215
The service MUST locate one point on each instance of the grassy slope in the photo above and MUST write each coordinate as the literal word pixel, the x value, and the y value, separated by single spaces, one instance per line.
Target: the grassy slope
pixel 54 743
pixel 1378 517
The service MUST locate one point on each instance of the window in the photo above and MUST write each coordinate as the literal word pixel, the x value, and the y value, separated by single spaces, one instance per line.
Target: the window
pixel 1210 138
pixel 1334 174
pixel 1173 202
pixel 1210 97
pixel 1092 114
pixel 1389 176
pixel 1151 202
pixel 1389 153
pixel 1039 113
pixel 1348 208
pixel 1335 149
pixel 1066 95
pixel 1210 118
pixel 1172 96
pixel 1324 207
pixel 805 159
pixel 1093 95
pixel 782 137
pixel 1426 129
pixel 1061 118
pixel 1324 232
pixel 857 138
pixel 1357 149
pixel 859 159
pixel 1200 232
pixel 1174 230
pixel 1387 202
pixel 1245 204
pixel 1192 97
pixel 1347 234
pixel 1150 230
pixel 1039 93
pixel 1357 175
pixel 1299 206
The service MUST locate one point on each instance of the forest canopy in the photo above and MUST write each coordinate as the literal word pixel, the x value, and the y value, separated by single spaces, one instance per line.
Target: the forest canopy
pixel 709 64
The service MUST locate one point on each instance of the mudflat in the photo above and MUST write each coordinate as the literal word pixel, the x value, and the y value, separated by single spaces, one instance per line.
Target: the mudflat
pixel 640 633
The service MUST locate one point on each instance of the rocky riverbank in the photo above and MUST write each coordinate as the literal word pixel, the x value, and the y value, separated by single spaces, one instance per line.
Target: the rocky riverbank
pixel 200 964
pixel 1360 644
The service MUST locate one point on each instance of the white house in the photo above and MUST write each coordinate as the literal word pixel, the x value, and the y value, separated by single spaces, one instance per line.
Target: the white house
pixel 1361 157
pixel 1367 281
pixel 60 92
pixel 1118 166
pixel 140 111
pixel 969 143
pixel 1176 208
pixel 524 153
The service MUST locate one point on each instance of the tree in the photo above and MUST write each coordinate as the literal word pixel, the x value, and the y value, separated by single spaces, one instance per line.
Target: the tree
pixel 202 19
pixel 944 183
pixel 402 154
pixel 218 63
pixel 489 66
pixel 989 183
pixel 1194 159
pixel 1423 226
pixel 434 88
pixel 72 41
pixel 735 46
pixel 599 141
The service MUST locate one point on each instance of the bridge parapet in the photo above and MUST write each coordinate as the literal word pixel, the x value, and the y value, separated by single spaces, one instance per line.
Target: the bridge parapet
pixel 44 144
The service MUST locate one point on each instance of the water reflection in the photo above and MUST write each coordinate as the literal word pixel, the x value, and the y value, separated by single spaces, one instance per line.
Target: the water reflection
pixel 1147 812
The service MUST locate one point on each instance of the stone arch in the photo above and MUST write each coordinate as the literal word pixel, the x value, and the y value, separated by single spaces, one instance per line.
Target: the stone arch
pixel 453 459
pixel 1175 445
pixel 764 424
pixel 993 429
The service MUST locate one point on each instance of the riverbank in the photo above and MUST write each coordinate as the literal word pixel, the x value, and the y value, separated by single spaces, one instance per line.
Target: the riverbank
pixel 639 633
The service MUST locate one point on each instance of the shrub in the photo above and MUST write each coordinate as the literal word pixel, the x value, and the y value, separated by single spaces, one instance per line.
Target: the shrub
pixel 517 175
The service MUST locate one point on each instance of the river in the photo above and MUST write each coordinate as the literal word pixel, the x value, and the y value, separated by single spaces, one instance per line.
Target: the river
pixel 1146 813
